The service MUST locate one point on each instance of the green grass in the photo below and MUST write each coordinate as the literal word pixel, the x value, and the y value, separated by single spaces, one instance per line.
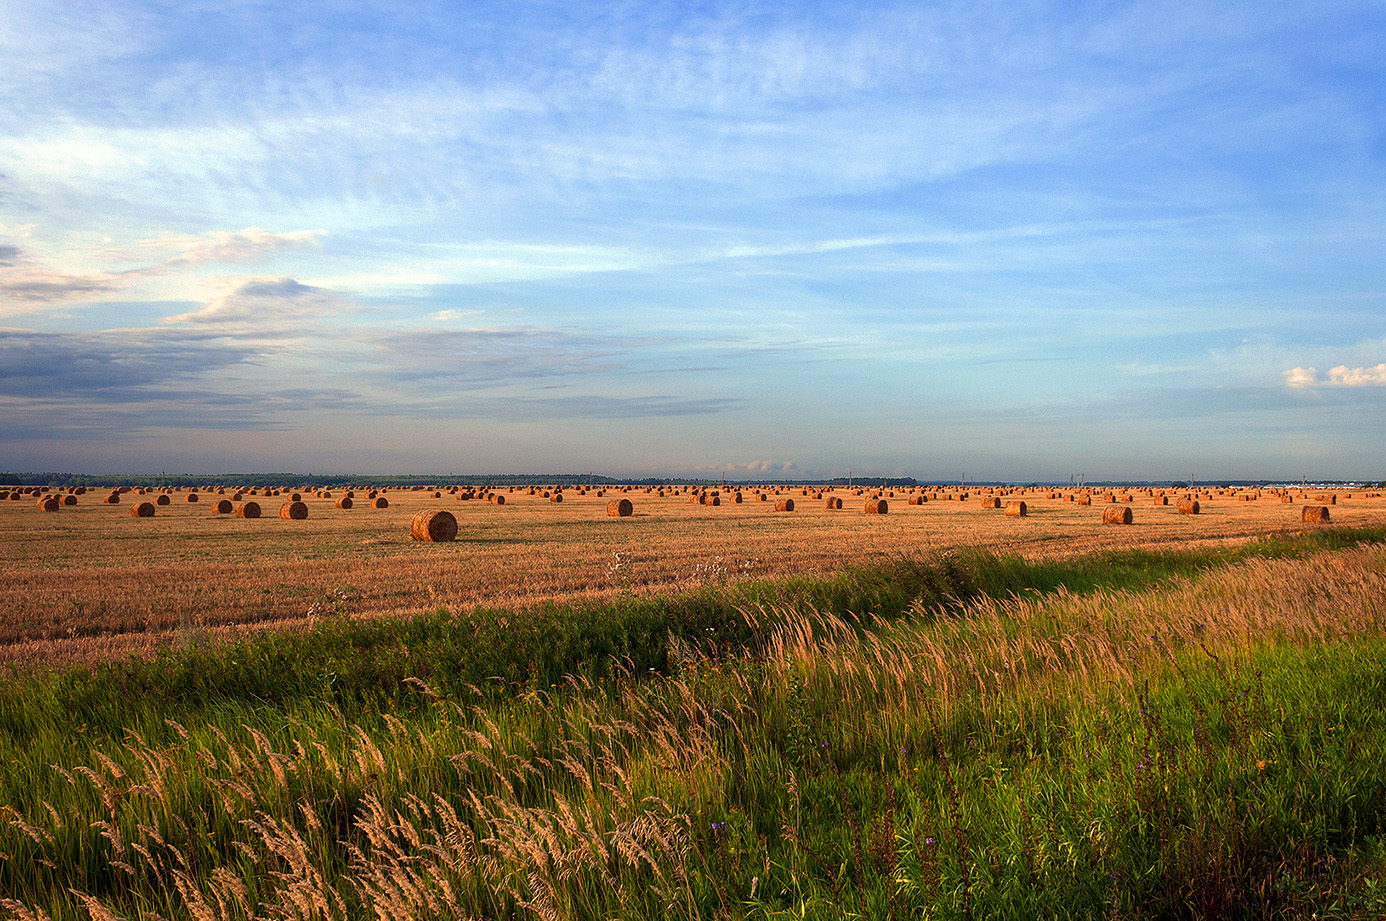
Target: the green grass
pixel 850 754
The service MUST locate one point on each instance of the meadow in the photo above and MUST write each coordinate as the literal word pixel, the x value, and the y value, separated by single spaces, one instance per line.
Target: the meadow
pixel 696 711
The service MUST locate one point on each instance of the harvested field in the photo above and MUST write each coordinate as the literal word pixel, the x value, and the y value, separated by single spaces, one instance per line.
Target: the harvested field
pixel 92 582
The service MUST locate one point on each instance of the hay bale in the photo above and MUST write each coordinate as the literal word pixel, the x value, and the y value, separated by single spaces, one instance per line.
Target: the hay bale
pixel 434 525
pixel 112 499
pixel 715 500
pixel 1314 514
pixel 1018 509
pixel 49 504
pixel 919 500
pixel 380 502
pixel 497 499
pixel 1162 500
pixel 991 502
pixel 619 508
pixel 248 510
pixel 784 505
pixel 295 510
pixel 69 500
pixel 344 502
pixel 1084 500
pixel 832 502
pixel 296 497
pixel 163 500
pixel 877 506
pixel 556 497
pixel 142 510
pixel 224 507
pixel 1116 514
pixel 192 497
pixel 736 498
pixel 1188 507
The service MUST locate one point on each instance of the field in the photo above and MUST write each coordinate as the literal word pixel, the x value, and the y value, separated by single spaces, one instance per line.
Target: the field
pixel 695 712
pixel 90 582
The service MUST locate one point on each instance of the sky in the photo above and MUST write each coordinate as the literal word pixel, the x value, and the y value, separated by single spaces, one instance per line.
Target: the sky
pixel 1010 240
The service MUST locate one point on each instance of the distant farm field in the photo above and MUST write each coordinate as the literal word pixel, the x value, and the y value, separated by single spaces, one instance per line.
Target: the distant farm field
pixel 91 581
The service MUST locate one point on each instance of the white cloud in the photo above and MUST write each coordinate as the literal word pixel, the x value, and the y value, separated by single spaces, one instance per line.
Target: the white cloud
pixel 1341 376
pixel 1301 377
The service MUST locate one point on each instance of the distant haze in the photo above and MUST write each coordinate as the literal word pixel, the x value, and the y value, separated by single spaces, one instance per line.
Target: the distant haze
pixel 1013 242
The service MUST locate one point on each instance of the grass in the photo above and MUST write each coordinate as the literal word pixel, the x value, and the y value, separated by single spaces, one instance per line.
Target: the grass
pixel 1129 734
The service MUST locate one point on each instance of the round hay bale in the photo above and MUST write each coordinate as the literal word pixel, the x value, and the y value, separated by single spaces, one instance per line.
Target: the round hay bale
pixel 784 505
pixel 248 510
pixel 112 499
pixel 1162 500
pixel 434 525
pixel 876 506
pixel 192 497
pixel 832 502
pixel 69 500
pixel 556 497
pixel 715 500
pixel 1116 514
pixel 1314 514
pixel 1188 507
pixel 295 511
pixel 736 498
pixel 296 497
pixel 49 504
pixel 991 502
pixel 162 500
pixel 380 502
pixel 344 502
pixel 1018 509
pixel 1084 500
pixel 619 508
pixel 224 507
pixel 918 500
pixel 497 498
pixel 142 510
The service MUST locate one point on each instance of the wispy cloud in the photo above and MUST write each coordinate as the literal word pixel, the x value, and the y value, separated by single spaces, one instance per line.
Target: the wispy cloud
pixel 25 283
pixel 253 244
pixel 254 305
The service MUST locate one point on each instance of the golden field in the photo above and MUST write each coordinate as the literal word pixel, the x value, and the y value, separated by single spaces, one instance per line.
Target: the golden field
pixel 90 581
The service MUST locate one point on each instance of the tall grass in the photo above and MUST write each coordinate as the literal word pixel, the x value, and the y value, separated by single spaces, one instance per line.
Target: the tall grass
pixel 1207 745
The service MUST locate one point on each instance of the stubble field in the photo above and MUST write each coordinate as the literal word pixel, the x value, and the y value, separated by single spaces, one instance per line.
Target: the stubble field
pixel 91 582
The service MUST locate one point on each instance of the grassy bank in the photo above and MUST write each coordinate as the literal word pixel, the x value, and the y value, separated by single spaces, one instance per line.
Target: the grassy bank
pixel 1157 735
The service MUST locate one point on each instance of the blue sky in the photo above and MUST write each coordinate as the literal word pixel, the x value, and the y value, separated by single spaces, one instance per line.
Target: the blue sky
pixel 1010 240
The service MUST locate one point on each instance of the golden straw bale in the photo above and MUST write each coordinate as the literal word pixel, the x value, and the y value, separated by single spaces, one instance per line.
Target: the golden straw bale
pixel 1017 508
pixel 434 525
pixel 1162 500
pixel 296 497
pixel 224 507
pixel 192 497
pixel 991 502
pixel 833 502
pixel 1083 500
pixel 248 510
pixel 1189 507
pixel 162 500
pixel 69 500
pixel 620 508
pixel 113 499
pixel 714 500
pixel 557 497
pixel 380 502
pixel 784 505
pixel 877 506
pixel 1116 514
pixel 142 510
pixel 296 510
pixel 344 502
pixel 1314 514
pixel 497 498
pixel 49 504
pixel 1287 498
pixel 736 498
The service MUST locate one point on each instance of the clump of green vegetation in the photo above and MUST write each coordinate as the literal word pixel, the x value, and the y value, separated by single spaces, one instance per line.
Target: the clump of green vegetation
pixel 1135 734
